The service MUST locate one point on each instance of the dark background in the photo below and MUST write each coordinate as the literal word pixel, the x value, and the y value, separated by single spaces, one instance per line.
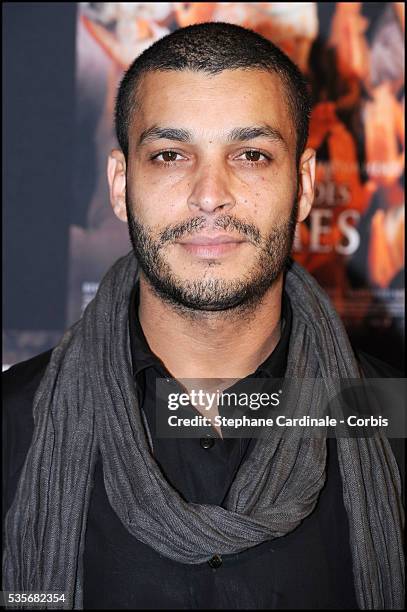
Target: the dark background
pixel 38 120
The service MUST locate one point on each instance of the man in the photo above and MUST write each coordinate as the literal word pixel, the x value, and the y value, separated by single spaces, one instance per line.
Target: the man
pixel 212 176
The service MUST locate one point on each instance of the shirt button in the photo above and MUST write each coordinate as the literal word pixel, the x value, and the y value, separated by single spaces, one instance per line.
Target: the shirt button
pixel 215 562
pixel 207 442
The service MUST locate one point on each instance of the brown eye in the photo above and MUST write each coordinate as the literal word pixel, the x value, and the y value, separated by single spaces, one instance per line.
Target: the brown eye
pixel 169 156
pixel 253 156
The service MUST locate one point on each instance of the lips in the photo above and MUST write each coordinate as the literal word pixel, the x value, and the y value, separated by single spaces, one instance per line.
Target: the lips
pixel 211 240
pixel 211 246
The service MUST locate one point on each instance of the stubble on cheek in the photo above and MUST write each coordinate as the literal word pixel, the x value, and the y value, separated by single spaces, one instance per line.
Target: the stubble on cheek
pixel 203 290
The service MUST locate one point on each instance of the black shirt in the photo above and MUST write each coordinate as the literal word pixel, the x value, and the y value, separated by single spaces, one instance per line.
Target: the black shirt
pixel 309 568
pixel 201 472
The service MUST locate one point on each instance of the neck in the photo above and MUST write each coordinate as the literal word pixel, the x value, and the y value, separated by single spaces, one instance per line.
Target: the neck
pixel 213 345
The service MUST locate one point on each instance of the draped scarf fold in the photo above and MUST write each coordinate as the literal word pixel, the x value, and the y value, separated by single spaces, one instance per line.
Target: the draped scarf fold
pixel 87 404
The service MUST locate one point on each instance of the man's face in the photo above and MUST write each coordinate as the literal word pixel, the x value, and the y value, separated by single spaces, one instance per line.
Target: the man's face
pixel 211 186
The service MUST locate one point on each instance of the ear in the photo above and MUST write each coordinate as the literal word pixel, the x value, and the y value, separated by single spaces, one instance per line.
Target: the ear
pixel 116 175
pixel 306 188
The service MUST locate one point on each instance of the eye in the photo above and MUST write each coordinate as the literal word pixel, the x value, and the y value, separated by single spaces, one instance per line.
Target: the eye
pixel 254 156
pixel 166 156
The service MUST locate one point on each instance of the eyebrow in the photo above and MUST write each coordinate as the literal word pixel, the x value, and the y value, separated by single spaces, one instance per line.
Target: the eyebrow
pixel 155 133
pixel 249 133
pixel 238 134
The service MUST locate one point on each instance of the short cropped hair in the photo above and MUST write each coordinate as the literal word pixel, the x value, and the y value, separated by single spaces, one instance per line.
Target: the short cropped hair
pixel 212 48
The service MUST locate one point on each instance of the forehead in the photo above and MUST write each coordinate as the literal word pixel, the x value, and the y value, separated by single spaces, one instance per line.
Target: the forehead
pixel 211 104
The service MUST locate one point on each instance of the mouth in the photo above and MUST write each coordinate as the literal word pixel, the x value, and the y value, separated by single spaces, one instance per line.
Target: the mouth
pixel 207 246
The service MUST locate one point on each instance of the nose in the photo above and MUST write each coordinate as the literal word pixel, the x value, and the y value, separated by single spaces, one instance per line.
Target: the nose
pixel 210 191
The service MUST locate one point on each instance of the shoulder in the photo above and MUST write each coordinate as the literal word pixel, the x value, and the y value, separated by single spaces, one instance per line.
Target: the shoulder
pixel 25 375
pixel 372 367
pixel 20 383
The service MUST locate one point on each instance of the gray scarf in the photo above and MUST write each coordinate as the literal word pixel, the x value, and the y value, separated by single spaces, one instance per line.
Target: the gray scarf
pixel 86 403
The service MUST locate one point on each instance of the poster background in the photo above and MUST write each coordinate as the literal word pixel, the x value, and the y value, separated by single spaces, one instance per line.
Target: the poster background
pixel 62 67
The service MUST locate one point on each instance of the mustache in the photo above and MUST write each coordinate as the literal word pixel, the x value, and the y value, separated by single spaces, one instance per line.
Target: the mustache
pixel 194 225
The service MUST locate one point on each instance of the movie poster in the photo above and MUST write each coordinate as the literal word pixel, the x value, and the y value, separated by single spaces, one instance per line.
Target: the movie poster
pixel 353 240
pixel 353 56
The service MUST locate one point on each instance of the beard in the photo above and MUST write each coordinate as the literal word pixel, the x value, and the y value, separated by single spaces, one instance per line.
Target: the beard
pixel 212 294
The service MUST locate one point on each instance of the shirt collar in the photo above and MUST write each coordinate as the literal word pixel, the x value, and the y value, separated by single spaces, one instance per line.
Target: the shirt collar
pixel 142 356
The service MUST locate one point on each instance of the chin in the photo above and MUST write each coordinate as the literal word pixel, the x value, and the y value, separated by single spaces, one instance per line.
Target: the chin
pixel 210 275
pixel 212 268
pixel 212 293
